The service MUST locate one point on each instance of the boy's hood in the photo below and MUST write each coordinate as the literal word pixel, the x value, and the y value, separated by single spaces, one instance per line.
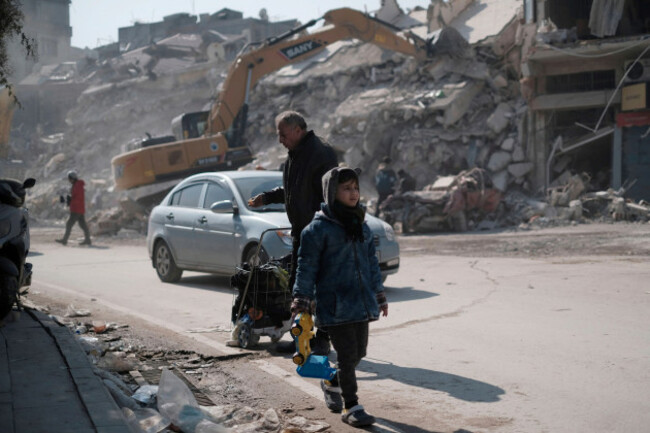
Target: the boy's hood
pixel 331 182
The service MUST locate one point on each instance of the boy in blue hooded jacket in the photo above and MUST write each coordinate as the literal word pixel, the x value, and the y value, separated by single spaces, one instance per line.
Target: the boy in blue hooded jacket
pixel 338 269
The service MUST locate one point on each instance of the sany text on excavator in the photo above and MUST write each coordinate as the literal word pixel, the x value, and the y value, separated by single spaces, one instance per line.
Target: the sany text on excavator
pixel 212 141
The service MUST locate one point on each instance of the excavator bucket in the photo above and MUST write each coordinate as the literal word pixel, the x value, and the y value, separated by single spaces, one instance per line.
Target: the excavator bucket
pixel 447 40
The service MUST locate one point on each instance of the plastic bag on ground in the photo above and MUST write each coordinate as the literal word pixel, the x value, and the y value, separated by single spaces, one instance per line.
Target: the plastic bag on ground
pixel 176 402
pixel 145 420
pixel 146 395
pixel 71 311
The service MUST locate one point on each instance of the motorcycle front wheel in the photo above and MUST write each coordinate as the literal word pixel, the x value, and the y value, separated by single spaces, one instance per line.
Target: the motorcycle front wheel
pixel 8 294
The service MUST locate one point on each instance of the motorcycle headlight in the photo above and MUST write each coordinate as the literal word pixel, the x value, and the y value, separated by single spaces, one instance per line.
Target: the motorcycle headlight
pixel 390 233
pixel 5 227
pixel 285 237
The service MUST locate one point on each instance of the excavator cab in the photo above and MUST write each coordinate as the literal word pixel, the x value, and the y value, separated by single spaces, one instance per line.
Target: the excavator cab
pixel 190 125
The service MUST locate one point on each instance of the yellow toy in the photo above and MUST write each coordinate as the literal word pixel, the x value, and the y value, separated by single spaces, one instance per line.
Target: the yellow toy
pixel 302 331
pixel 309 365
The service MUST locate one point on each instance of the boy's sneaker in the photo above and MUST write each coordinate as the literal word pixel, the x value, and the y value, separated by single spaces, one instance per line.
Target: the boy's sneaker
pixel 61 241
pixel 356 416
pixel 85 242
pixel 332 394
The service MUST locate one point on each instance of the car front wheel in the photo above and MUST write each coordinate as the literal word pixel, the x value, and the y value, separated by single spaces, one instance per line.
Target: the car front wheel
pixel 164 263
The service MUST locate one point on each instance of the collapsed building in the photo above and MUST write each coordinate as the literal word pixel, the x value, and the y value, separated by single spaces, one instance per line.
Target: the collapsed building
pixel 535 99
pixel 503 106
pixel 582 77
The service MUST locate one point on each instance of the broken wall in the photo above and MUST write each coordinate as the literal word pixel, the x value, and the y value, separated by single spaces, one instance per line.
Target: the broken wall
pixel 440 13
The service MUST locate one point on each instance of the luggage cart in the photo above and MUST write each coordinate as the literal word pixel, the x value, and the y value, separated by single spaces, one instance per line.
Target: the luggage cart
pixel 262 306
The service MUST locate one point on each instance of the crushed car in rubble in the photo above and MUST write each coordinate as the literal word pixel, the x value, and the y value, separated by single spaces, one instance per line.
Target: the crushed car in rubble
pixel 444 205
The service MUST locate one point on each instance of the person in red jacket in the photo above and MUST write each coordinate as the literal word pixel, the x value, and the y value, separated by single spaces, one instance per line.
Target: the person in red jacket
pixel 77 204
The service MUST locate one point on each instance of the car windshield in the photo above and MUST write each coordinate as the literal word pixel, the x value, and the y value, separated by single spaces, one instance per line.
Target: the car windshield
pixel 251 186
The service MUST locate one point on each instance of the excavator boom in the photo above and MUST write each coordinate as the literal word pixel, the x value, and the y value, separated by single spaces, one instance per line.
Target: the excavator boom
pixel 222 145
pixel 279 52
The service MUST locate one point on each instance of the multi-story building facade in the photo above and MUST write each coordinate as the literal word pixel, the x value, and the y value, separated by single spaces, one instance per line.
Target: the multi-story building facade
pixel 587 113
pixel 47 22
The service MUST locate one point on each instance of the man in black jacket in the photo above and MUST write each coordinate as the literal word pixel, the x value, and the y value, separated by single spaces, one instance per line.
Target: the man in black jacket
pixel 302 191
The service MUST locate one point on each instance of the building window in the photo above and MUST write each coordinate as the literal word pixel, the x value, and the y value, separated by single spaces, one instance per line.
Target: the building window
pixel 581 82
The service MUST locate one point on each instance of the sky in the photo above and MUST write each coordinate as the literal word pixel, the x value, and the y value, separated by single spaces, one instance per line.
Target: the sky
pixel 95 22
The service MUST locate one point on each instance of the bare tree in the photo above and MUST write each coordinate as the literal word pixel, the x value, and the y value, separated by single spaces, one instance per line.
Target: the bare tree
pixel 11 26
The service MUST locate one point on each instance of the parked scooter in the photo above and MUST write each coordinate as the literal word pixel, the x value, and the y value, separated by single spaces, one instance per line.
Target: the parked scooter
pixel 15 272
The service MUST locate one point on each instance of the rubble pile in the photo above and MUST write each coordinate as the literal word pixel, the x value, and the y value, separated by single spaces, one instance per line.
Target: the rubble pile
pixel 571 202
pixel 433 119
pixel 108 119
pixel 452 203
pixel 463 202
pixel 156 388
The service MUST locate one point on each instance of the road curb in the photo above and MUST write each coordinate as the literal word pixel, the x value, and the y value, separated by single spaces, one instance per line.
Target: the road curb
pixel 105 414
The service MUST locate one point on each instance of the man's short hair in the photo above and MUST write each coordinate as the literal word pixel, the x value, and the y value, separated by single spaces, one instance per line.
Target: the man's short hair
pixel 291 118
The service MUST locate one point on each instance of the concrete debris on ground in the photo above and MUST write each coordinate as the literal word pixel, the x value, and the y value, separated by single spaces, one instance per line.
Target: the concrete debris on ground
pixel 443 205
pixel 469 201
pixel 153 389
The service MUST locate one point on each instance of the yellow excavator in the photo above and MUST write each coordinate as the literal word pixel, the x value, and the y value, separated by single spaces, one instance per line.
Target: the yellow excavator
pixel 214 140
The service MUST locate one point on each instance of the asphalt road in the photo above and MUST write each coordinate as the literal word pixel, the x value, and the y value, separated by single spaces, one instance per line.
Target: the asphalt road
pixel 471 344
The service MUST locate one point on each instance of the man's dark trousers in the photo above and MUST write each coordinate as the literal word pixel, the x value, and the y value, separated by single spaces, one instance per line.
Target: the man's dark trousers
pixel 76 218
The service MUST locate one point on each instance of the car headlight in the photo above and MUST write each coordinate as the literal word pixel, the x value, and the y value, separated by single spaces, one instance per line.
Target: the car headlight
pixel 285 237
pixel 390 233
pixel 393 262
pixel 5 227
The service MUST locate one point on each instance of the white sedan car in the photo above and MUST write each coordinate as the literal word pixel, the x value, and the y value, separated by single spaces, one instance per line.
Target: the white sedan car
pixel 204 224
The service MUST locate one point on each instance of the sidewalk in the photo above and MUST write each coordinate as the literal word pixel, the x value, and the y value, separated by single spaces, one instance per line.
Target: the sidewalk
pixel 47 384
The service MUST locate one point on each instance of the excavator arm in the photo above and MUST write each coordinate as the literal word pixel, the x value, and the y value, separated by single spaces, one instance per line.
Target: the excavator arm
pixel 222 145
pixel 276 53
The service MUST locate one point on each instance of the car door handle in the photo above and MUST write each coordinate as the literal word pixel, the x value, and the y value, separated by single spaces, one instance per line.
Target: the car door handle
pixel 203 220
pixel 170 216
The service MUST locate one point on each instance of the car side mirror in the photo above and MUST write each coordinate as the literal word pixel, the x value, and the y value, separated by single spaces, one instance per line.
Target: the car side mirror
pixel 224 206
